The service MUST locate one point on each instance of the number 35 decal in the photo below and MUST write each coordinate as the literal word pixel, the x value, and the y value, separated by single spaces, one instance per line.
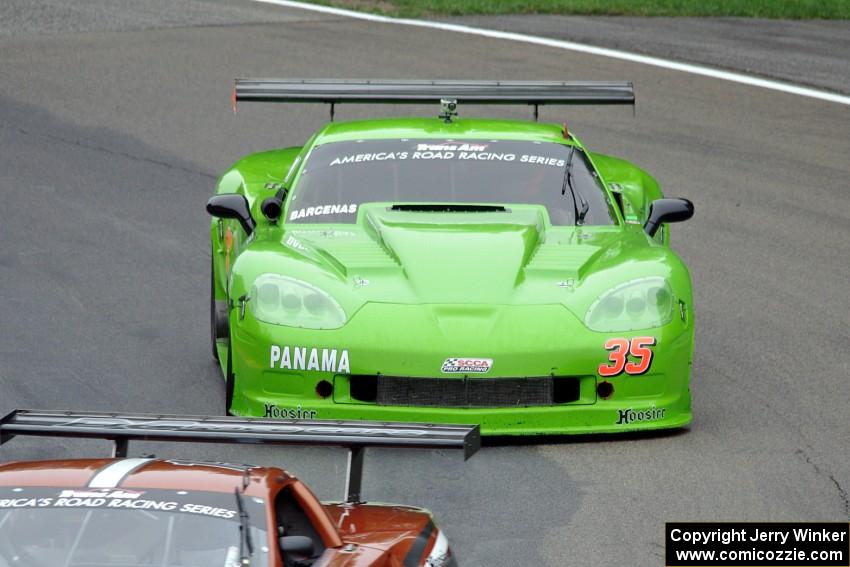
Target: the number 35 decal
pixel 620 349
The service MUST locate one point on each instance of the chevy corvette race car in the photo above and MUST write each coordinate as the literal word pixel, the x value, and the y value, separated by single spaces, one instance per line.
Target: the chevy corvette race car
pixel 449 269
pixel 169 513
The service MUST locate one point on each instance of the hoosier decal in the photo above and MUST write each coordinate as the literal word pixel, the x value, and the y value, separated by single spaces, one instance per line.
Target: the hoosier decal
pixel 280 412
pixel 467 365
pixel 628 416
pixel 309 358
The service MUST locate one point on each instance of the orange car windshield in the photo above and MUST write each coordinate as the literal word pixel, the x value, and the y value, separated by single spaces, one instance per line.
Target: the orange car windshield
pixel 83 527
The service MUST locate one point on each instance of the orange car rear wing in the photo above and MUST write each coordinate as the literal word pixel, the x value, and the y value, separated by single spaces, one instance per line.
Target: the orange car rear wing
pixel 121 428
pixel 447 93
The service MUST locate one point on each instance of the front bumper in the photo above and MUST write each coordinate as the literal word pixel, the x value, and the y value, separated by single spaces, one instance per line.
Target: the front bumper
pixel 414 341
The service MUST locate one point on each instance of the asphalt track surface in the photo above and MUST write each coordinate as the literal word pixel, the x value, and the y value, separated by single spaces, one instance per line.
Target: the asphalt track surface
pixel 110 142
pixel 815 53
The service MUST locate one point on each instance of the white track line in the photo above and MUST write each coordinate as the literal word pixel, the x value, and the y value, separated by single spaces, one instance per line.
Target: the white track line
pixel 580 47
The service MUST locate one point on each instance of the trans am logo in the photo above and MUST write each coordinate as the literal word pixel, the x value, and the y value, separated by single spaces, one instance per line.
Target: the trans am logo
pixel 467 365
pixel 99 493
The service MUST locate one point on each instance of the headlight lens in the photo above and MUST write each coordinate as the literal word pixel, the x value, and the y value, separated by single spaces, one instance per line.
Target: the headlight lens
pixel 638 304
pixel 281 300
pixel 441 554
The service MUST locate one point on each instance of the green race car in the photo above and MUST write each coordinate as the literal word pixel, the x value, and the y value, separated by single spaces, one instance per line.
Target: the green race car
pixel 449 269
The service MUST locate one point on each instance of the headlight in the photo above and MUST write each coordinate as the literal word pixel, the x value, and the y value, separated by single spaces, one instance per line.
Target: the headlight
pixel 281 300
pixel 638 304
pixel 441 554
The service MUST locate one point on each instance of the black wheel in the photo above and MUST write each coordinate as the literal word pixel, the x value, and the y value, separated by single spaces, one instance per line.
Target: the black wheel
pixel 229 380
pixel 213 322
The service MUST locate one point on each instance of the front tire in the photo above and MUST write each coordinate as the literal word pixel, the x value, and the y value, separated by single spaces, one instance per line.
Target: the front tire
pixel 229 380
pixel 219 322
pixel 213 321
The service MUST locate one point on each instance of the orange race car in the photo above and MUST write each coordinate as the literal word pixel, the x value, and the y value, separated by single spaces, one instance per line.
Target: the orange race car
pixel 145 511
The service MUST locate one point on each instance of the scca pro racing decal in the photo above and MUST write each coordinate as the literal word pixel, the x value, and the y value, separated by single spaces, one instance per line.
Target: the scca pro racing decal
pixel 279 412
pixel 467 365
pixel 619 351
pixel 309 358
pixel 627 416
pixel 322 210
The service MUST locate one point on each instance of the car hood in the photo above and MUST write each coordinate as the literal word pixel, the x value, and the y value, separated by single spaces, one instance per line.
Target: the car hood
pixel 498 258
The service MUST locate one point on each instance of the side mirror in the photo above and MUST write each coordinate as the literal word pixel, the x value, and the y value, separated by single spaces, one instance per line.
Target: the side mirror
pixel 667 210
pixel 232 206
pixel 296 546
pixel 272 208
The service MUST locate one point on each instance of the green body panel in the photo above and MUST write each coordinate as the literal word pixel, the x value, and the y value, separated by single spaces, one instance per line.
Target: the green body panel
pixel 510 287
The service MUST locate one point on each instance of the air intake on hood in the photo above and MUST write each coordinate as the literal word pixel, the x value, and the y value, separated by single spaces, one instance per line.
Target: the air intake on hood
pixel 449 208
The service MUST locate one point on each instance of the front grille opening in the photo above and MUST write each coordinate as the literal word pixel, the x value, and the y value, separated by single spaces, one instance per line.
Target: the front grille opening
pixel 363 388
pixel 467 392
pixel 565 390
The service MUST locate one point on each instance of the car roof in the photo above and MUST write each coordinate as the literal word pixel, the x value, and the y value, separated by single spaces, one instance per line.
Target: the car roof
pixel 149 473
pixel 419 128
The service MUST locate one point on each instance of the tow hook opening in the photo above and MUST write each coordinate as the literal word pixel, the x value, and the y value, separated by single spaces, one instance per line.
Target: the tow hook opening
pixel 605 390
pixel 324 389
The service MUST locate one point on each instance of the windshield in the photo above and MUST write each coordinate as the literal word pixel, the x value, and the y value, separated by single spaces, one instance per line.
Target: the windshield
pixel 339 177
pixel 55 527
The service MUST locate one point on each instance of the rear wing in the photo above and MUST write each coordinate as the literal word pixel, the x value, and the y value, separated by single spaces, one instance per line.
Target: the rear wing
pixel 446 93
pixel 354 435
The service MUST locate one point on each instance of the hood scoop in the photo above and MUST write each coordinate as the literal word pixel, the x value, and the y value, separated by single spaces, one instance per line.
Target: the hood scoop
pixel 448 208
pixel 470 253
